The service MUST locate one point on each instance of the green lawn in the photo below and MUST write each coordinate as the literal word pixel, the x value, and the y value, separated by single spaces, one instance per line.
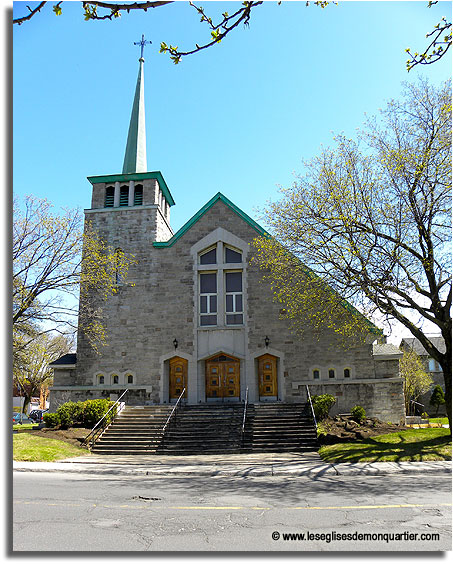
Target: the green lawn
pixel 441 420
pixel 39 449
pixel 20 427
pixel 408 445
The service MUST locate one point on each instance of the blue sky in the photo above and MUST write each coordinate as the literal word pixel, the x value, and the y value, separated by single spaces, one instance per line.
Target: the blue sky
pixel 237 118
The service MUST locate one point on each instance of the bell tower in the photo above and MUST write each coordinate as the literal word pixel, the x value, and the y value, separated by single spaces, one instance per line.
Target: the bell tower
pixel 122 196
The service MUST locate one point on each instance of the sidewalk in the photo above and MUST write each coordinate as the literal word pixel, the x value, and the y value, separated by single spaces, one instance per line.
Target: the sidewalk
pixel 239 465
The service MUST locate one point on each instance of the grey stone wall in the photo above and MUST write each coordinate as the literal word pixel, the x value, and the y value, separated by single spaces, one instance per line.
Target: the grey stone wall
pixel 381 399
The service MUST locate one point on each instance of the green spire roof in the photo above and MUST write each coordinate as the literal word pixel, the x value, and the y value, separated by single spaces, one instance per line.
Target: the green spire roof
pixel 135 156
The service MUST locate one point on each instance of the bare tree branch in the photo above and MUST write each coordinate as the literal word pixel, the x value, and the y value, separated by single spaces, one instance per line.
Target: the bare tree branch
pixel 20 21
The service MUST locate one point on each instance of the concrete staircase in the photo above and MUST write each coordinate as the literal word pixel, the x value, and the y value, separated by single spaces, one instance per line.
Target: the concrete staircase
pixel 277 427
pixel 136 430
pixel 205 429
pixel 210 429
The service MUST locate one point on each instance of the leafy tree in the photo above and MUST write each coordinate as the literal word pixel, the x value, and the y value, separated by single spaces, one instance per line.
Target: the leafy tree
pixel 440 36
pixel 372 219
pixel 437 398
pixel 34 371
pixel 48 273
pixel 416 380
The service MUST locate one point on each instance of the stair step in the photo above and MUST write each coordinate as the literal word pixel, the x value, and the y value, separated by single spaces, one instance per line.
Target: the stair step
pixel 213 429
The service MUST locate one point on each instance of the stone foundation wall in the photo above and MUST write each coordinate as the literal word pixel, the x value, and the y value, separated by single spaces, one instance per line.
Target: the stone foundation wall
pixel 58 397
pixel 381 399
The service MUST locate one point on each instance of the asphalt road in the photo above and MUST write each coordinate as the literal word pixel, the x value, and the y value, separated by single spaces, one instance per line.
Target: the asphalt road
pixel 70 512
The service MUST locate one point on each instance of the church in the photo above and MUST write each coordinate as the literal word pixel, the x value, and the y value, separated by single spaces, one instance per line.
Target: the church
pixel 194 315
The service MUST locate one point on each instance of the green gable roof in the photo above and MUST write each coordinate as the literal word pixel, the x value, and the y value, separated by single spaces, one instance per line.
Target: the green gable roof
pixel 202 211
pixel 156 175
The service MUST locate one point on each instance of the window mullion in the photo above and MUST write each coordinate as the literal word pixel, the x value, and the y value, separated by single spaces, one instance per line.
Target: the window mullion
pixel 220 285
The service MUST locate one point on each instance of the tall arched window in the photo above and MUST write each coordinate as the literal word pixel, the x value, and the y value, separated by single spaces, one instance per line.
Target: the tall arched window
pixel 221 286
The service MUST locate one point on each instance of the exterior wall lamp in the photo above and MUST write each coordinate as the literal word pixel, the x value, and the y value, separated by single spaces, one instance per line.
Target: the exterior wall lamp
pixel 175 343
pixel 266 341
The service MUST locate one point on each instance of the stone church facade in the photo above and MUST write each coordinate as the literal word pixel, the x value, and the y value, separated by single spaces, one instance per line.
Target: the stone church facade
pixel 194 313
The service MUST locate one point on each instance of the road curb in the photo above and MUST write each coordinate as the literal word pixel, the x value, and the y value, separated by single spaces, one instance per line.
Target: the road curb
pixel 316 471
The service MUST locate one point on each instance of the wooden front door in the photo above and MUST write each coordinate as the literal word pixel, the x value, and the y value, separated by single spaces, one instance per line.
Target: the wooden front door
pixel 178 377
pixel 267 375
pixel 223 377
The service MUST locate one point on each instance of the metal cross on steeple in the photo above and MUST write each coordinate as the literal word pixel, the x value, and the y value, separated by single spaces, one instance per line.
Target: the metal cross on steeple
pixel 142 43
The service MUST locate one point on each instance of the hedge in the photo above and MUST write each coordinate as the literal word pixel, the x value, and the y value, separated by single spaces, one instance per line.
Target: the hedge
pixel 82 413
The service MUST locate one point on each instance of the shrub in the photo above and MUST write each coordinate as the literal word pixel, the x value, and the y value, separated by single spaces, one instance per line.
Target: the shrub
pixel 358 413
pixel 322 405
pixel 51 419
pixel 437 398
pixel 425 415
pixel 94 409
pixel 70 413
pixel 85 413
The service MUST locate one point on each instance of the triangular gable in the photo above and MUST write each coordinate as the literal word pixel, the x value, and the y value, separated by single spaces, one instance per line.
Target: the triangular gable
pixel 200 214
pixel 219 196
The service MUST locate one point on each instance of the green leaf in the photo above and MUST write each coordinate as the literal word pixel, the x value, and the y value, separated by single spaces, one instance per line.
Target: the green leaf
pixel 57 10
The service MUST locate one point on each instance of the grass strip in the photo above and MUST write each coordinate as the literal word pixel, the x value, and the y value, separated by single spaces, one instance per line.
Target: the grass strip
pixel 30 448
pixel 412 445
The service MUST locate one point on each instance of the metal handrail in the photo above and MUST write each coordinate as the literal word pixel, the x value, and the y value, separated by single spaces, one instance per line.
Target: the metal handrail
pixel 311 405
pixel 85 440
pixel 245 411
pixel 173 411
pixel 414 403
